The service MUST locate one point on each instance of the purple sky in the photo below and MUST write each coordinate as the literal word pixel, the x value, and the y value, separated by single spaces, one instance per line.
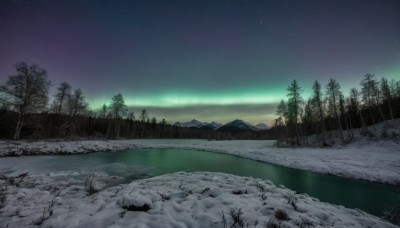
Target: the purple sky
pixel 210 60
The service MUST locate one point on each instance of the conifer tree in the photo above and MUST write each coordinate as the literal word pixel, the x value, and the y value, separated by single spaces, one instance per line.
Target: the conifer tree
pixel 333 95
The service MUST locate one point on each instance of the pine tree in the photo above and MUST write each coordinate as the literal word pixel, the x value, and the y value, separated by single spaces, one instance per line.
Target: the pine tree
pixel 308 118
pixel 368 92
pixel 317 102
pixel 103 111
pixel 294 105
pixel 143 116
pixel 333 95
pixel 117 110
pixel 117 107
pixel 387 95
pixel 354 107
pixel 281 112
pixel 343 115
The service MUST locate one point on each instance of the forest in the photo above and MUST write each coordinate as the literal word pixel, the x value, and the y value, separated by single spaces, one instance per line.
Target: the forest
pixel 330 114
pixel 25 113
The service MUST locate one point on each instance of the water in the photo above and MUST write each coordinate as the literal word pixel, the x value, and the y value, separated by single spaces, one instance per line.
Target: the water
pixel 133 164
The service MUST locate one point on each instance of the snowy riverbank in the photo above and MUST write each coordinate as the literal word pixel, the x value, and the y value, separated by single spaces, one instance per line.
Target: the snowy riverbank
pixel 372 161
pixel 200 199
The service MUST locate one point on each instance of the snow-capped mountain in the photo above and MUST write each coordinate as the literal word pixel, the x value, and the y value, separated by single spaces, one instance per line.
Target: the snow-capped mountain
pixel 238 125
pixel 193 123
pixel 213 125
pixel 262 126
pixel 197 124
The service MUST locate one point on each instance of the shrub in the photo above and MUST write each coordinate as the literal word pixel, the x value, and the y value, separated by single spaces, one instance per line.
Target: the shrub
pixel 89 185
pixel 281 215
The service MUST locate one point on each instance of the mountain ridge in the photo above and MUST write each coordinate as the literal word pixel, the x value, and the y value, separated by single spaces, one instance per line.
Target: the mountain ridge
pixel 235 125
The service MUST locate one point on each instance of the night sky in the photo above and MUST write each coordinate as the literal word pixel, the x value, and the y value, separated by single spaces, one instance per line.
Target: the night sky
pixel 209 60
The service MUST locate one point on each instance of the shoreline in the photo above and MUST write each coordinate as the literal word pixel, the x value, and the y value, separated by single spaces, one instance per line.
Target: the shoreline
pixel 343 161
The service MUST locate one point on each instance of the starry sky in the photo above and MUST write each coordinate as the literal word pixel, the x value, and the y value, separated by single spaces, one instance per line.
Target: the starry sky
pixel 210 60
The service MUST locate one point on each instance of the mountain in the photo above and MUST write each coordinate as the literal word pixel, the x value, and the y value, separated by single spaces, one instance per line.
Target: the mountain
pixel 213 125
pixel 233 126
pixel 238 126
pixel 262 126
pixel 193 124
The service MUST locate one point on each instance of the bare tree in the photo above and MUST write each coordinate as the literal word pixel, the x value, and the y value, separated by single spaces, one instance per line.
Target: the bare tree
pixel 27 91
pixel 76 105
pixel 63 92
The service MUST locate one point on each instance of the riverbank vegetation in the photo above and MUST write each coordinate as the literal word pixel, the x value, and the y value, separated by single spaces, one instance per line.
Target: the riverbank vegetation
pixel 332 116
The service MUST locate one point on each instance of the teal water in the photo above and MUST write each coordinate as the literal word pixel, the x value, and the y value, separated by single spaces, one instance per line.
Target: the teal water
pixel 133 164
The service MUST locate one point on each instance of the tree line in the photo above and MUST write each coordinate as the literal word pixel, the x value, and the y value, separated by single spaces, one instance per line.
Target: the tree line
pixel 330 110
pixel 25 112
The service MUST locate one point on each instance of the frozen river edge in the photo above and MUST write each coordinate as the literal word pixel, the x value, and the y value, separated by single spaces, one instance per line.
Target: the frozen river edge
pixel 199 199
pixel 371 161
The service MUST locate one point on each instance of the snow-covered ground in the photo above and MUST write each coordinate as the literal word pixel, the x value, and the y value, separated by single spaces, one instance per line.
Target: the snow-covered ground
pixel 377 161
pixel 200 199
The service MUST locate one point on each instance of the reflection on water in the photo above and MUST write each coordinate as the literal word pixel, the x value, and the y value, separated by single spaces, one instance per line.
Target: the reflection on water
pixel 143 163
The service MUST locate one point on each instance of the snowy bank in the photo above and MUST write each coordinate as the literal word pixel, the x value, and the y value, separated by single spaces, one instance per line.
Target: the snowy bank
pixel 200 199
pixel 372 161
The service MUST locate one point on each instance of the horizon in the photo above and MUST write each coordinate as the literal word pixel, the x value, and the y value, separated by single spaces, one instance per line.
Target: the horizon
pixel 204 60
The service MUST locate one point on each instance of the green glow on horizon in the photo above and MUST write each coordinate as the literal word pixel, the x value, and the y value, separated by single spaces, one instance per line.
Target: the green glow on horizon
pixel 192 100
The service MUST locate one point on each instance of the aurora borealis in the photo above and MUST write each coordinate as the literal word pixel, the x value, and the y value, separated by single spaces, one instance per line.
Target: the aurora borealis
pixel 209 60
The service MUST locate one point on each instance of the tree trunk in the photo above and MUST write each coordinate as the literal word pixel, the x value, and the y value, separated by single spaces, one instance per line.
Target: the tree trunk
pixel 109 131
pixel 372 116
pixel 347 128
pixel 380 111
pixel 323 129
pixel 364 126
pixel 19 126
pixel 390 109
pixel 351 128
pixel 117 128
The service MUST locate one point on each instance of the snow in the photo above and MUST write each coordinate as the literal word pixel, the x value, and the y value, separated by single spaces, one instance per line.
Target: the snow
pixel 200 199
pixel 193 123
pixel 262 126
pixel 241 125
pixel 368 160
